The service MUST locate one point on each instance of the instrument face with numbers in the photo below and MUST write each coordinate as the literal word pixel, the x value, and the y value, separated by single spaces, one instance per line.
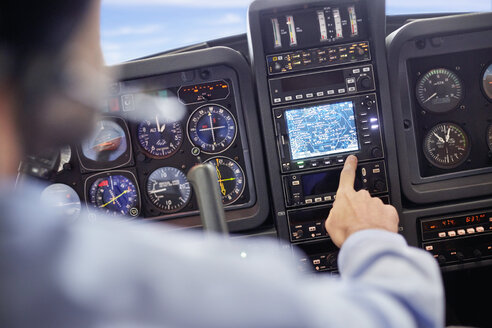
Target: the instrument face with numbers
pixel 212 128
pixel 115 194
pixel 160 139
pixel 446 146
pixel 230 177
pixel 168 189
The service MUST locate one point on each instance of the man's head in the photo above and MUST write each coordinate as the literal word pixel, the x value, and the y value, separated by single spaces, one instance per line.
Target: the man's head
pixel 48 50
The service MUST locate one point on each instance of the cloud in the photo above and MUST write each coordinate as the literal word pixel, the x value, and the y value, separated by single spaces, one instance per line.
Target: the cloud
pixel 132 30
pixel 181 3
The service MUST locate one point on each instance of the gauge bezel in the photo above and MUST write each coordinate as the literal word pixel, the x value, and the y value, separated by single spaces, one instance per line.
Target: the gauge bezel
pixel 164 211
pixel 242 173
pixel 426 107
pixel 89 181
pixel 69 189
pixel 149 154
pixel 488 137
pixel 482 86
pixel 431 161
pixel 236 128
pixel 126 159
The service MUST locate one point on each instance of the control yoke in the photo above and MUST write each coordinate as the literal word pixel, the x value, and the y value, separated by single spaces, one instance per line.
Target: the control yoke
pixel 204 180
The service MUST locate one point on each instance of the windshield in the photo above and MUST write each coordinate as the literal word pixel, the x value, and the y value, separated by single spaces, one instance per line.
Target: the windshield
pixel 138 28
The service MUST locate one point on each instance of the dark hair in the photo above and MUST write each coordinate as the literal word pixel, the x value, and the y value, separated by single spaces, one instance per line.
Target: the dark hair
pixel 28 28
pixel 32 37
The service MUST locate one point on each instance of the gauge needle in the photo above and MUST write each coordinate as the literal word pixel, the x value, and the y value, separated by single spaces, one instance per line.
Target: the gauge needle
pixel 157 123
pixel 212 126
pixel 447 135
pixel 114 199
pixel 163 127
pixel 231 179
pixel 439 138
pixel 435 94
pixel 222 188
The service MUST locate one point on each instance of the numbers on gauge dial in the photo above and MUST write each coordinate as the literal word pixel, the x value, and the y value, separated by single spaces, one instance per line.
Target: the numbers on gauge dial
pixel 212 128
pixel 115 194
pixel 160 139
pixel 446 146
pixel 230 177
pixel 168 189
pixel 439 90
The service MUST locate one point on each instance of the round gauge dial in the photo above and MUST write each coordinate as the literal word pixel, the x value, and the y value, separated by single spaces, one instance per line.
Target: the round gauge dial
pixel 107 142
pixel 63 198
pixel 439 90
pixel 212 128
pixel 230 177
pixel 168 189
pixel 446 146
pixel 115 194
pixel 160 139
pixel 487 82
pixel 489 137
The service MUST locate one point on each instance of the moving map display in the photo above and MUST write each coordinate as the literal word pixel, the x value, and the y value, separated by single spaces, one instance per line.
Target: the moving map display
pixel 322 130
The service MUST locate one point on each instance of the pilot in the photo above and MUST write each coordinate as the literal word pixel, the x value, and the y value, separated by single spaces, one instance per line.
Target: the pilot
pixel 59 273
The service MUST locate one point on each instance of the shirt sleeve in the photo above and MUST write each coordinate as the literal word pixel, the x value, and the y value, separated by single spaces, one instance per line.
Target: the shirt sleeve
pixel 137 275
pixel 380 262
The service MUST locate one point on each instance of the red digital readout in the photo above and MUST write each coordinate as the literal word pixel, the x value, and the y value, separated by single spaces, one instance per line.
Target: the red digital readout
pixel 475 218
pixel 462 221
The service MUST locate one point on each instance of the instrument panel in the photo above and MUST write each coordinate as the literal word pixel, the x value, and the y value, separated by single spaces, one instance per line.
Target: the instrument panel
pixel 317 68
pixel 153 130
pixel 452 112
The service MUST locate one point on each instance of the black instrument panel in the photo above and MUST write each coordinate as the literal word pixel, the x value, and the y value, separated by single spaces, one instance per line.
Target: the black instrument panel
pixel 452 112
pixel 155 127
pixel 320 74
pixel 440 82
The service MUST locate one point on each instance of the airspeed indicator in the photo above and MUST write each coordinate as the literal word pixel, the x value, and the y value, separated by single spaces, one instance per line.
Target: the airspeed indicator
pixel 439 90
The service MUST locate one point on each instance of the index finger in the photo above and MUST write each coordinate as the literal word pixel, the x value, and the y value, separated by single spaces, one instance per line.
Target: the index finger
pixel 347 177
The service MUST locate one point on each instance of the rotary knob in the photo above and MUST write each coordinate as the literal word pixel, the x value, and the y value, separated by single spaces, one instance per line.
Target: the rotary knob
pixel 365 83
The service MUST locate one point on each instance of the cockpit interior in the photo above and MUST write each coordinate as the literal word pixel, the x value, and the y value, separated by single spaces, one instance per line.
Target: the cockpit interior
pixel 277 110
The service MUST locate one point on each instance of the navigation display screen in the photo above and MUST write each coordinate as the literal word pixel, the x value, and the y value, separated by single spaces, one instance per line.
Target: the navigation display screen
pixel 322 130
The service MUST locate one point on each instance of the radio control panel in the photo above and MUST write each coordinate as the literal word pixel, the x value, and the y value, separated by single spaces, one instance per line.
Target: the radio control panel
pixel 455 239
pixel 309 223
pixel 320 85
pixel 321 186
pixel 318 57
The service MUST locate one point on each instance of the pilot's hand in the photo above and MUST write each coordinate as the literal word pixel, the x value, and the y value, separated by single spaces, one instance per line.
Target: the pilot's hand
pixel 357 210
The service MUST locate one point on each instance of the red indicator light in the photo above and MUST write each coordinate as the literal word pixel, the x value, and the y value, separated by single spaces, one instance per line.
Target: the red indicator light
pixel 104 183
pixel 204 126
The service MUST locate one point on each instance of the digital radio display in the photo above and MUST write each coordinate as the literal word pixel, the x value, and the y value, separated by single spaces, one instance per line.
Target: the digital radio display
pixel 325 183
pixel 457 222
pixel 322 130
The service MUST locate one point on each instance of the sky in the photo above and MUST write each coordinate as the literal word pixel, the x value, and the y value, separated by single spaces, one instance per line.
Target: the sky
pixel 137 28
